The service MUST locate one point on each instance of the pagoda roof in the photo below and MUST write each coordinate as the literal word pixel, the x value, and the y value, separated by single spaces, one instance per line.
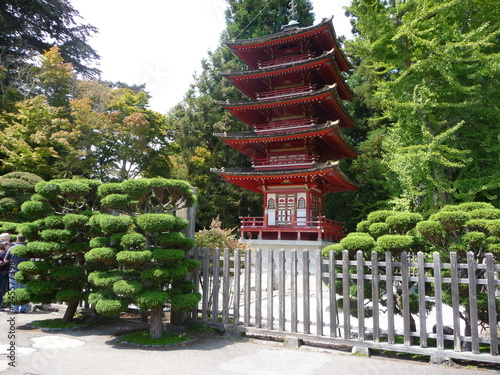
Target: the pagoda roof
pixel 251 82
pixel 327 177
pixel 328 138
pixel 326 101
pixel 322 36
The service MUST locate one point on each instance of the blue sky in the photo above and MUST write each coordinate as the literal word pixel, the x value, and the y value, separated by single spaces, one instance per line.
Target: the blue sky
pixel 161 43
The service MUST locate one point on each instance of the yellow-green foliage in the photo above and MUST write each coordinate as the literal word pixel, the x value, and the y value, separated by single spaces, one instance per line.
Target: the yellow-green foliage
pixel 133 258
pixel 150 299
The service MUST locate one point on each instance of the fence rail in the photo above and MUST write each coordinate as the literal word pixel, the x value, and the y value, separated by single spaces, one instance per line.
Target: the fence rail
pixel 445 309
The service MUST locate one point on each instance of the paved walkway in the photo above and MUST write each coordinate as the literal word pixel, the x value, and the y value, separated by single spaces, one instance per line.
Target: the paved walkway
pixel 91 352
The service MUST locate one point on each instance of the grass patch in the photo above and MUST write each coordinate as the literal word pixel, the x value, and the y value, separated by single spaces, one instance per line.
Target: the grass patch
pixel 142 338
pixel 58 323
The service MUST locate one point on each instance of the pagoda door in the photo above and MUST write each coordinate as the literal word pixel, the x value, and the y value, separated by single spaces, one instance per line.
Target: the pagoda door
pixel 286 209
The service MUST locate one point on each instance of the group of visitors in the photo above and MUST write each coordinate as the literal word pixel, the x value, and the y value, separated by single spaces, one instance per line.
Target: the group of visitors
pixel 8 267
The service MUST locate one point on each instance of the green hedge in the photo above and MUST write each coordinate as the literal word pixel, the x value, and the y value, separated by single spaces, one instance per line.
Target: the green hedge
pixel 132 258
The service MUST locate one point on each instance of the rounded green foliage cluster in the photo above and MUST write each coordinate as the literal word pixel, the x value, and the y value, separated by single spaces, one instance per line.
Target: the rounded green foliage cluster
pixel 75 221
pixel 36 209
pixel 110 224
pixel 109 307
pixel 358 241
pixel 104 279
pixel 336 248
pixel 402 222
pixel 19 296
pixel 54 222
pixel 116 201
pixel 485 213
pixel 168 255
pixel 185 302
pixel 133 241
pixel 99 242
pixel 363 226
pixel 150 299
pixel 34 267
pixel 451 220
pixel 36 287
pixel 48 190
pixel 69 295
pixel 104 255
pixel 378 229
pixel 39 249
pixel 159 223
pixel 395 242
pixel 379 216
pixel 133 258
pixel 58 235
pixel 157 275
pixel 177 240
pixel 127 287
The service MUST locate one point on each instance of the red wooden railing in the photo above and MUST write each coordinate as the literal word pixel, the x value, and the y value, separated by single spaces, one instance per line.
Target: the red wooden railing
pixel 284 125
pixel 288 162
pixel 284 92
pixel 284 60
pixel 326 229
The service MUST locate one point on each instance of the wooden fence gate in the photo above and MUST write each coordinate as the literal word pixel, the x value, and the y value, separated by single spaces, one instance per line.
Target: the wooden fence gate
pixel 298 294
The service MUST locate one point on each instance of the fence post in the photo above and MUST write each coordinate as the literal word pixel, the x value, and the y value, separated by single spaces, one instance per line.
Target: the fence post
pixel 405 273
pixel 360 295
pixel 293 286
pixel 319 294
pixel 421 299
pixel 471 267
pixel 270 287
pixel 225 287
pixel 237 270
pixel 492 308
pixel 216 282
pixel 258 288
pixel 281 290
pixel 346 301
pixel 305 283
pixel 389 284
pixel 248 290
pixel 206 282
pixel 375 297
pixel 455 301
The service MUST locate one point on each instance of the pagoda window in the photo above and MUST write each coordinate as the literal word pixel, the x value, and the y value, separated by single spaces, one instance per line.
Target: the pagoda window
pixel 301 203
pixel 271 204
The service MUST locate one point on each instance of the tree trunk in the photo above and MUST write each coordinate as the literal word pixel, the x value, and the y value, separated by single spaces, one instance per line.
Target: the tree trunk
pixel 70 311
pixel 156 324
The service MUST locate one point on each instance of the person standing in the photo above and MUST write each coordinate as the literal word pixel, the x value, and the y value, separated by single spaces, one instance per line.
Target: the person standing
pixel 14 261
pixel 4 270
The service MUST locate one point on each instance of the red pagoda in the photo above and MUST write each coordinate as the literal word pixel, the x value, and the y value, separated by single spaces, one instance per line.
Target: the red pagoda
pixel 296 113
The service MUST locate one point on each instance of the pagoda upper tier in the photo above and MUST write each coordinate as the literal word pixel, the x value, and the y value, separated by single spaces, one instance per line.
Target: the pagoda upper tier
pixel 322 142
pixel 306 74
pixel 269 51
pixel 321 106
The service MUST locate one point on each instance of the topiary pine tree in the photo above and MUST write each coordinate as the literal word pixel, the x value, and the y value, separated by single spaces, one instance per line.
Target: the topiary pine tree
pixel 15 189
pixel 143 255
pixel 472 227
pixel 57 241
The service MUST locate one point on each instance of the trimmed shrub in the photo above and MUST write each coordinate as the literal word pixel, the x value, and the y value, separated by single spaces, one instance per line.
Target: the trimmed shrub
pixel 494 248
pixel 361 241
pixel 378 229
pixel 99 242
pixel 36 209
pixel 54 222
pixel 110 307
pixel 363 226
pixel 472 206
pixel 104 278
pixel 379 216
pixel 78 247
pixel 114 224
pixel 185 302
pixel 75 221
pixel 168 255
pixel 477 225
pixel 156 223
pixel 133 240
pixel 110 188
pixel 150 299
pixel 34 267
pixel 75 187
pixel 58 235
pixel 104 255
pixel 135 188
pixel 432 230
pixel 156 274
pixel 473 238
pixel 36 287
pixel 402 222
pixel 131 258
pixel 68 272
pixel 451 220
pixel 486 213
pixel 127 287
pixel 493 227
pixel 395 242
pixel 29 230
pixel 116 201
pixel 70 295
pixel 336 248
pixel 37 249
pixel 175 240
pixel 48 190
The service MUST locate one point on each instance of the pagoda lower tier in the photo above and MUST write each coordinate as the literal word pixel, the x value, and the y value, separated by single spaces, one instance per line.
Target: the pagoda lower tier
pixel 293 201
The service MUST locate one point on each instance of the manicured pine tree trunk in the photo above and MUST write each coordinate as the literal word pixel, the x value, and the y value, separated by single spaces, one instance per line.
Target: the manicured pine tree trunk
pixel 156 323
pixel 70 311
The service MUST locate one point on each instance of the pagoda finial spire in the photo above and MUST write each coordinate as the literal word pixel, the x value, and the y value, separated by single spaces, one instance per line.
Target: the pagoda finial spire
pixel 292 18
